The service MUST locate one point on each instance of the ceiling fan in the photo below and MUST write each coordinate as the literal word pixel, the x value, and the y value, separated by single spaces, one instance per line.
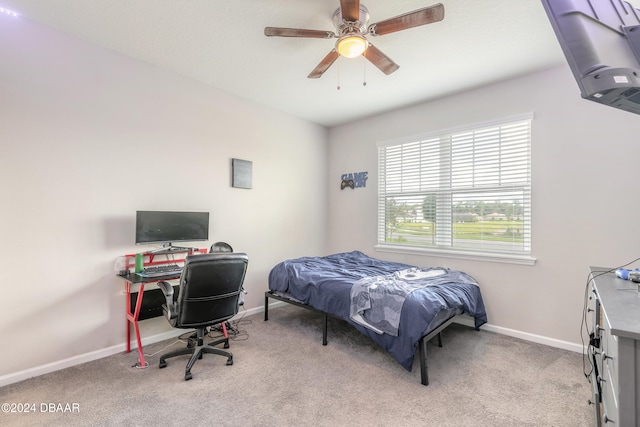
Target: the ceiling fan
pixel 351 20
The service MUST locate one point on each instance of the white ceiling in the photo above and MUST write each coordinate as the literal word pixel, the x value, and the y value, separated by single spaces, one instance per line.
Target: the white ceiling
pixel 221 43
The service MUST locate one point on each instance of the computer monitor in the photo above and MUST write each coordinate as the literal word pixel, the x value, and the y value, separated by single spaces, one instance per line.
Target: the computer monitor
pixel 167 227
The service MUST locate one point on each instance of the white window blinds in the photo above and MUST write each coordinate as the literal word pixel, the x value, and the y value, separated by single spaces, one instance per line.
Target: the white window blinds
pixel 466 189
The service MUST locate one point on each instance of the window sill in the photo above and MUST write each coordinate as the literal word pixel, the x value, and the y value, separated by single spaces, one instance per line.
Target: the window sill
pixel 476 256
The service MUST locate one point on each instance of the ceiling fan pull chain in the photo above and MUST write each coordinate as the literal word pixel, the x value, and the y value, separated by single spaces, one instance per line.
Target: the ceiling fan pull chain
pixel 339 68
pixel 364 73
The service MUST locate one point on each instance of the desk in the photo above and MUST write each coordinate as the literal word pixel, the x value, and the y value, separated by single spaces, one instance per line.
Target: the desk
pixel 135 279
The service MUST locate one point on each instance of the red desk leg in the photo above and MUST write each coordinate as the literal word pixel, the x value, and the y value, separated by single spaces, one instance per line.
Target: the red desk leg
pixel 224 330
pixel 133 318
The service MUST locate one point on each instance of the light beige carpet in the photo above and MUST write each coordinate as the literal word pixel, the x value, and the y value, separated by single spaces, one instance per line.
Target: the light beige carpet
pixel 283 376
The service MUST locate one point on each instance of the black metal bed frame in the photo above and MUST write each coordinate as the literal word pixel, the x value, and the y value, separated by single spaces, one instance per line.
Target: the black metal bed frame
pixel 422 343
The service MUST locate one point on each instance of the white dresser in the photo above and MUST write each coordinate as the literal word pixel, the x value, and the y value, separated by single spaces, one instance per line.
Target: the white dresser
pixel 614 349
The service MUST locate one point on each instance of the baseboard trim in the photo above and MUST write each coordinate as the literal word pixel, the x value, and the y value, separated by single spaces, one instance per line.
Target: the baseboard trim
pixel 109 351
pixel 98 354
pixel 526 336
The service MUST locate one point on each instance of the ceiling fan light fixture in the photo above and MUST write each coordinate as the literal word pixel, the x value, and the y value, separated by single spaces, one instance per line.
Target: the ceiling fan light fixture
pixel 351 45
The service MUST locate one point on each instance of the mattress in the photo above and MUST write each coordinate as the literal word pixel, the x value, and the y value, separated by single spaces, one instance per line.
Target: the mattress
pixel 325 283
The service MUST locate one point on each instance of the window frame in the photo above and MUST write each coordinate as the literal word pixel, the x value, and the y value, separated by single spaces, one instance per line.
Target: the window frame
pixel 449 251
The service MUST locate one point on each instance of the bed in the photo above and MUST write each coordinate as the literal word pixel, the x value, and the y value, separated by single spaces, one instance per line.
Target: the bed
pixel 398 306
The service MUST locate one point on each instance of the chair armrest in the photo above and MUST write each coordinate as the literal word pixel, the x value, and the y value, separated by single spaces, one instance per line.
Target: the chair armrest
pixel 167 290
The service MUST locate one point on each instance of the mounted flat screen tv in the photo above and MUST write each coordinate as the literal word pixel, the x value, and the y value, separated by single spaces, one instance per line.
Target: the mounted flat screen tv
pixel 601 42
pixel 166 227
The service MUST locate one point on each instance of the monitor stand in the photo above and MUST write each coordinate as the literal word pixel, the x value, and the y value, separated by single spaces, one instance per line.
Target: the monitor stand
pixel 170 248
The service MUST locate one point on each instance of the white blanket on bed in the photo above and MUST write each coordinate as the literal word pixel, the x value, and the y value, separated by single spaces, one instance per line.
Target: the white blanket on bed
pixel 376 302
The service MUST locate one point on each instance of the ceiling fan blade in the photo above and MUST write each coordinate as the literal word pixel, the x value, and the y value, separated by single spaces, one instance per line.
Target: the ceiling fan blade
pixel 324 65
pixel 297 32
pixel 350 10
pixel 416 18
pixel 380 60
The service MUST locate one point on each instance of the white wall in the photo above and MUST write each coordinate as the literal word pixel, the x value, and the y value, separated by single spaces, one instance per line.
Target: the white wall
pixel 87 138
pixel 585 208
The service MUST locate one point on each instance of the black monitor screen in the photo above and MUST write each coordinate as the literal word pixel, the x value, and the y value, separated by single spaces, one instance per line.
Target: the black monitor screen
pixel 167 227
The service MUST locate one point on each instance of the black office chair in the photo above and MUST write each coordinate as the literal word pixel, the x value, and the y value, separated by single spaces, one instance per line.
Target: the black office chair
pixel 209 289
pixel 220 247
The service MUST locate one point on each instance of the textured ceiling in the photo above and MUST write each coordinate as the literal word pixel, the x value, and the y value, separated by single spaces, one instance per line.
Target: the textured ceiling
pixel 221 43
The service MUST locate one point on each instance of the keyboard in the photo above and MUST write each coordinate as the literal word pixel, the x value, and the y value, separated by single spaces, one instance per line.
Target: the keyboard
pixel 161 270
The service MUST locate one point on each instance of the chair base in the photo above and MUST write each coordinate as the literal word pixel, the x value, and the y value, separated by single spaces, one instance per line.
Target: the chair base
pixel 196 348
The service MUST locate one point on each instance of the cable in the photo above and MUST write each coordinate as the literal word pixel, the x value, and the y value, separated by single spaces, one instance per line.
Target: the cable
pixel 584 327
pixel 137 365
pixel 184 339
pixel 233 328
pixel 166 347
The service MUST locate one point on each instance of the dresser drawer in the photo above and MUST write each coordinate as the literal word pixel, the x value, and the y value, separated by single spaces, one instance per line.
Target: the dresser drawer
pixel 609 356
pixel 609 402
pixel 597 401
pixel 609 383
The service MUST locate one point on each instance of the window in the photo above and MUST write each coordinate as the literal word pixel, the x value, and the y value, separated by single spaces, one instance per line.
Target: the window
pixel 464 191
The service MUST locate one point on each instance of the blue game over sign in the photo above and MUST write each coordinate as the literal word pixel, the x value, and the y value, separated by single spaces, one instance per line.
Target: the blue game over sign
pixel 353 180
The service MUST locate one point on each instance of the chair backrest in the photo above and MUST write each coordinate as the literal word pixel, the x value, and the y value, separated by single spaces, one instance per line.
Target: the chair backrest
pixel 221 247
pixel 210 285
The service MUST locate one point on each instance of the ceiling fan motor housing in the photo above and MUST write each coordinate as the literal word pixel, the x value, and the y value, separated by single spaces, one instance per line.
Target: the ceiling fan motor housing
pixel 358 27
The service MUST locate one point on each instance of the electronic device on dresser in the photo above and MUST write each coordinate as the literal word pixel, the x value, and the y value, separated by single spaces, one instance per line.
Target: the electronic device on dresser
pixel 168 227
pixel 614 348
pixel 601 42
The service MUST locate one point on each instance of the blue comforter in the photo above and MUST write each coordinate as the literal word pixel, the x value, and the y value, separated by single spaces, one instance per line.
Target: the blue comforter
pixel 324 283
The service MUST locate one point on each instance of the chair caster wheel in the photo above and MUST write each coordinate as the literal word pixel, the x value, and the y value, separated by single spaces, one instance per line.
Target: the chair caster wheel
pixel 187 376
pixel 163 364
pixel 226 344
pixel 230 361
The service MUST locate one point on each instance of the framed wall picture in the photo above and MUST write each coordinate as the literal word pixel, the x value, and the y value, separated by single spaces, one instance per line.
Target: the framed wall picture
pixel 241 173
